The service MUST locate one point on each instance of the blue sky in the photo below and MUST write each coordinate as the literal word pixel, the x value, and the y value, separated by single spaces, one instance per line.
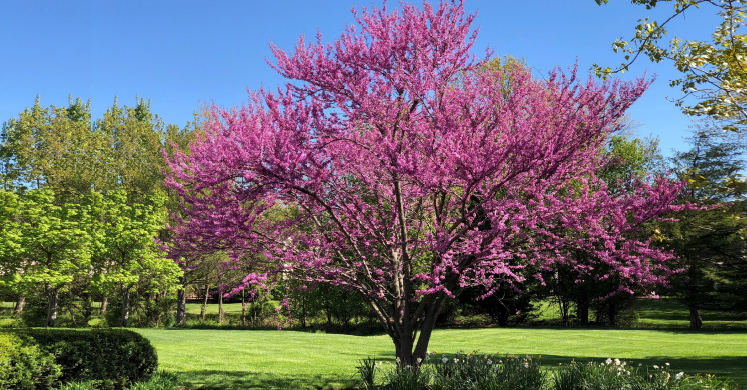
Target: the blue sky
pixel 181 53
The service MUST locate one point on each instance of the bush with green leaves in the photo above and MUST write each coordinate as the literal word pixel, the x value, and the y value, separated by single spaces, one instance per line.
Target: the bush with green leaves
pixel 113 357
pixel 23 366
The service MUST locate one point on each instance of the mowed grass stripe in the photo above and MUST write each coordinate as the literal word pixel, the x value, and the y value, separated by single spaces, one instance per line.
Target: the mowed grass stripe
pixel 257 359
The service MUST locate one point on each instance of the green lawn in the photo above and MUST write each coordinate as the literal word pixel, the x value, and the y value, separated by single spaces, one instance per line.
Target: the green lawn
pixel 270 359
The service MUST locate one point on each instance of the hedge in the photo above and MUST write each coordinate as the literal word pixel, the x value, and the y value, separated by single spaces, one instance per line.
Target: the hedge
pixel 112 358
pixel 23 366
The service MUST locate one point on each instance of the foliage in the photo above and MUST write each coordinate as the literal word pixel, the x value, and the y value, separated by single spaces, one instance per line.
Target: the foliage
pixel 710 242
pixel 622 375
pixel 402 377
pixel 161 380
pixel 115 358
pixel 367 371
pixel 23 366
pixel 714 72
pixel 396 146
pixel 482 372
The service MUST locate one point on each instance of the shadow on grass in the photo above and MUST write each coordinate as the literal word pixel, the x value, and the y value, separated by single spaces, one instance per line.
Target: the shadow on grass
pixel 733 368
pixel 224 380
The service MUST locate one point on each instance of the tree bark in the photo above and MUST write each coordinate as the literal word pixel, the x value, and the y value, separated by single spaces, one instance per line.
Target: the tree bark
pixel 20 304
pixel 696 320
pixel 181 305
pixel 243 309
pixel 104 304
pixel 582 311
pixel 220 308
pixel 87 307
pixel 204 302
pixel 125 306
pixel 52 298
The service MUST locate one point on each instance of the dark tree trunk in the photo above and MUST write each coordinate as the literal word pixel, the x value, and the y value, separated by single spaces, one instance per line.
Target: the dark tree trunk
pixel 612 314
pixel 181 305
pixel 52 298
pixel 20 303
pixel 696 321
pixel 582 311
pixel 87 308
pixel 125 306
pixel 104 304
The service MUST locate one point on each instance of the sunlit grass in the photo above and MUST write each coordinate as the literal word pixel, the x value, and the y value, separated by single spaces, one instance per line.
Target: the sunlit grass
pixel 270 359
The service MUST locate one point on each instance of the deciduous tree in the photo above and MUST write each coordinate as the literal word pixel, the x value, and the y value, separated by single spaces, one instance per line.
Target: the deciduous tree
pixel 420 171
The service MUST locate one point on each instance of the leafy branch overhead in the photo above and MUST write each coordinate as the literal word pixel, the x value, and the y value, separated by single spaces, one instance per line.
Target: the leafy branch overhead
pixel 714 71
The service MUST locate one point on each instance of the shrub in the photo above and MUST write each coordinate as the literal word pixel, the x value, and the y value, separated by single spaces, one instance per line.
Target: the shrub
pixel 23 366
pixel 113 357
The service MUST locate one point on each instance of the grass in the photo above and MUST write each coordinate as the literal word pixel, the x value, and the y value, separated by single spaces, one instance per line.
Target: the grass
pixel 270 359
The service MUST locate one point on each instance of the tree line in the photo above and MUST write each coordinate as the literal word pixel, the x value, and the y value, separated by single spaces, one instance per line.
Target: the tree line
pixel 84 215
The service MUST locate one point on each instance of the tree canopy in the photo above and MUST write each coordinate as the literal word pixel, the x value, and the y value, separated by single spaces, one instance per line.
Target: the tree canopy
pixel 417 170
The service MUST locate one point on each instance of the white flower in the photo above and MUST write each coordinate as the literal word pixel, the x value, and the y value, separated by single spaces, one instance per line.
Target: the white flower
pixel 526 365
pixel 617 362
pixel 490 362
pixel 608 361
pixel 666 364
pixel 456 360
pixel 419 360
pixel 656 367
pixel 679 375
pixel 444 360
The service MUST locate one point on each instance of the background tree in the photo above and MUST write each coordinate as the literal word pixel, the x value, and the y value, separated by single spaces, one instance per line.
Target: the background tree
pixel 382 153
pixel 126 251
pixel 709 242
pixel 55 247
pixel 714 72
pixel 54 147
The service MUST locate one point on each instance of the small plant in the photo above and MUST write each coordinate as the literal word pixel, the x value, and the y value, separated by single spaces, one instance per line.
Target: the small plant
pixel 615 374
pixel 482 372
pixel 367 371
pixel 403 377
pixel 161 380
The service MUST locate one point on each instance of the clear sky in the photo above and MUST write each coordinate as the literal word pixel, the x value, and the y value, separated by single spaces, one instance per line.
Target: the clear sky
pixel 181 53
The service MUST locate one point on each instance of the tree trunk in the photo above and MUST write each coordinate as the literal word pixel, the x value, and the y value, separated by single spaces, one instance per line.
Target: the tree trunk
pixel 204 302
pixel 612 314
pixel 52 297
pixel 220 308
pixel 125 306
pixel 696 321
pixel 87 307
pixel 20 303
pixel 582 311
pixel 104 304
pixel 181 305
pixel 243 309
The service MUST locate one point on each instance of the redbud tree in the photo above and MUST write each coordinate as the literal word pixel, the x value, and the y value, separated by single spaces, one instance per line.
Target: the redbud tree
pixel 405 170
